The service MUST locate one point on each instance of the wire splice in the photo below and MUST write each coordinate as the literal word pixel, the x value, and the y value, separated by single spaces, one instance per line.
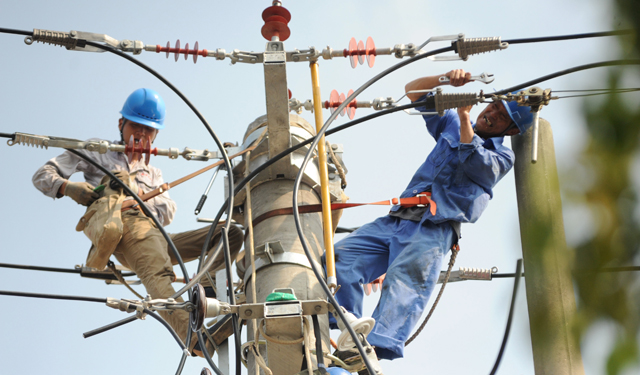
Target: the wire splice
pixel 456 100
pixel 473 46
pixel 58 38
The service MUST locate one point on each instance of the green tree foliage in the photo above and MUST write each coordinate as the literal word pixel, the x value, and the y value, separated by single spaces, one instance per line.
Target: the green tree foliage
pixel 611 158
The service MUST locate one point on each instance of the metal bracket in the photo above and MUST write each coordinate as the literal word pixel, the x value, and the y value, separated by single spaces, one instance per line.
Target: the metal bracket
pixel 269 249
pixel 273 253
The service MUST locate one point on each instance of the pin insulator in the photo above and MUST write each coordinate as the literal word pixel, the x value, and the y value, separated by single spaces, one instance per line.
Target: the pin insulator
pixel 276 19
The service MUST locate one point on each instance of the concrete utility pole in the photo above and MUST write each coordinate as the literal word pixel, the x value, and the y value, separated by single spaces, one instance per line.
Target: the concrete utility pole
pixel 548 282
pixel 280 262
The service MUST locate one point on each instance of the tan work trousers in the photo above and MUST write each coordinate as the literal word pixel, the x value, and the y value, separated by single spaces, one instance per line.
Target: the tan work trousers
pixel 144 250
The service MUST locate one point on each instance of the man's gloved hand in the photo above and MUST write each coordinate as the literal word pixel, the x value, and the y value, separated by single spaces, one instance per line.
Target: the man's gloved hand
pixel 81 192
pixel 126 178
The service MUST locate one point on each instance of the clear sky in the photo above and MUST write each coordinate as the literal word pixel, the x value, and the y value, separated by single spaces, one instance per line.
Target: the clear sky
pixel 51 91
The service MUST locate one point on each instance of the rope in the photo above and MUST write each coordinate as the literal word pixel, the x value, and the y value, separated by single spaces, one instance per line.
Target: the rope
pixel 454 253
pixel 278 341
pixel 118 274
pixel 260 360
pixel 307 345
pixel 250 252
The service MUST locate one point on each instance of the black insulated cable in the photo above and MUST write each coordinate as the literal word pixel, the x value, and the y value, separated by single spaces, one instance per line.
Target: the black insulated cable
pixel 318 334
pixel 167 326
pixel 568 37
pixel 109 326
pixel 54 269
pixel 565 72
pixel 52 296
pixel 516 283
pixel 207 356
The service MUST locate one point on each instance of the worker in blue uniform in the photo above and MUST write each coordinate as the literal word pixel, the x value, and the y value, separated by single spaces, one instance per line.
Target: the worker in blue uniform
pixel 410 243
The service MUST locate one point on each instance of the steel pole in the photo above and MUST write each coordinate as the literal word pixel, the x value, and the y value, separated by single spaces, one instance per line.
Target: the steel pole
pixel 549 287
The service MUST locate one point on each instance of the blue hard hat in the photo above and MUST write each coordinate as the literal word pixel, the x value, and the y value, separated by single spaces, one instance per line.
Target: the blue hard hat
pixel 145 107
pixel 337 371
pixel 521 115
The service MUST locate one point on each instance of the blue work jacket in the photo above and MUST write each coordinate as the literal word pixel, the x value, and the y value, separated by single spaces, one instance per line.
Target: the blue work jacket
pixel 460 176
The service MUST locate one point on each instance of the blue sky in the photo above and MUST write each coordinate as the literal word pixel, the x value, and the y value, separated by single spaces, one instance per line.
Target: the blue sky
pixel 51 91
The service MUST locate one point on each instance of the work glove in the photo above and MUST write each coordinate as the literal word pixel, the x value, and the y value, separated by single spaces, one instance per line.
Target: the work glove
pixel 126 178
pixel 81 192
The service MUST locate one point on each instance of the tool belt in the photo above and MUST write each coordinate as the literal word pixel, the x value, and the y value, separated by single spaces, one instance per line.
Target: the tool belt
pixel 420 200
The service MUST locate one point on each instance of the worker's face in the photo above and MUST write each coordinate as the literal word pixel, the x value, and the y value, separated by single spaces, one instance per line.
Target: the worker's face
pixel 136 130
pixel 493 122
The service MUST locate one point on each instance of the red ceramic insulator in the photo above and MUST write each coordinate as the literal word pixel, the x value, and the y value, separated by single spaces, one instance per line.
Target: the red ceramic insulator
pixel 351 107
pixel 334 101
pixel 147 149
pixel 353 49
pixel 276 19
pixel 361 52
pixel 177 49
pixel 371 52
pixel 344 110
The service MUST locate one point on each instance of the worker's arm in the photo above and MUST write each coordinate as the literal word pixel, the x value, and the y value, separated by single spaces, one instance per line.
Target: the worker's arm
pixel 457 77
pixel 485 166
pixel 52 178
pixel 466 130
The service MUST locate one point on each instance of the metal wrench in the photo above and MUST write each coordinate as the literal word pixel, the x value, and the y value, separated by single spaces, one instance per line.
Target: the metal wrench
pixel 484 78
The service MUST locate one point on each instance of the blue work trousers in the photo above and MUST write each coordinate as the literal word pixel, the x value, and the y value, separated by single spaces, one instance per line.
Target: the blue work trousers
pixel 411 253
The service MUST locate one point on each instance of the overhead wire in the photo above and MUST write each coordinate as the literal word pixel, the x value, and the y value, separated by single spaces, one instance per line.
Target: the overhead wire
pixel 51 269
pixel 567 71
pixel 516 283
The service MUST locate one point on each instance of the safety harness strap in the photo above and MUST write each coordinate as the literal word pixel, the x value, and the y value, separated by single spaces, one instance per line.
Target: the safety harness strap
pixel 420 200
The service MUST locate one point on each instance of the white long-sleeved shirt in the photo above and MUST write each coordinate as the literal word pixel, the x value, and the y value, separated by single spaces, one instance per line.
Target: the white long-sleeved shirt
pixel 56 171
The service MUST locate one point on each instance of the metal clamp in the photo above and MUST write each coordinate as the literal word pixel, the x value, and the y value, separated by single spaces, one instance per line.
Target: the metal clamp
pixel 273 253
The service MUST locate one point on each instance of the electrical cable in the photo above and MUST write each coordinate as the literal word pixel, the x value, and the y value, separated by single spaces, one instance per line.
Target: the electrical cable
pixel 318 334
pixel 567 71
pixel 568 37
pixel 39 268
pixel 205 352
pixel 167 326
pixel 109 326
pixel 516 282
pixel 52 296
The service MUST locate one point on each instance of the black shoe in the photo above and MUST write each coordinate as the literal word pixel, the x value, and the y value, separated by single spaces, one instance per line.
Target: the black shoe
pixel 352 357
